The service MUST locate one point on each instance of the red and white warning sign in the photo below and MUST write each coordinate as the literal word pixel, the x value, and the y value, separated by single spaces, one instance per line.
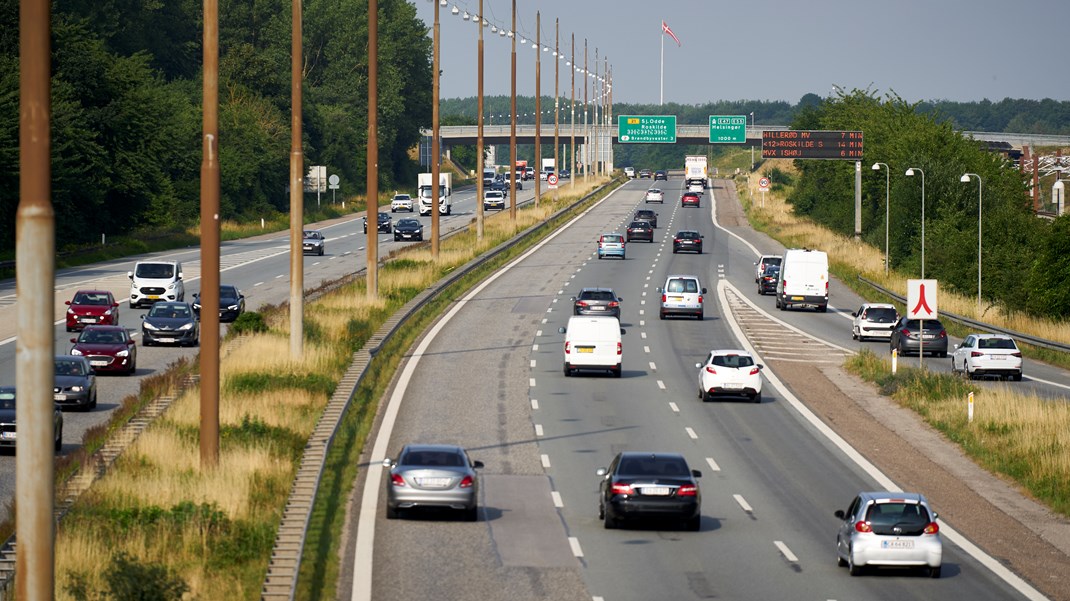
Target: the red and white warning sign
pixel 552 181
pixel 921 299
pixel 763 184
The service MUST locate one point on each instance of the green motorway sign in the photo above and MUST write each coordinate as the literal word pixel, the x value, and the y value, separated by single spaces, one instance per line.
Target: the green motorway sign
pixel 728 129
pixel 657 129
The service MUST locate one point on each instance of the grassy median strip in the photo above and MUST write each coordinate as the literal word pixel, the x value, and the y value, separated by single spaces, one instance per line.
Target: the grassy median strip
pixel 159 523
pixel 1021 436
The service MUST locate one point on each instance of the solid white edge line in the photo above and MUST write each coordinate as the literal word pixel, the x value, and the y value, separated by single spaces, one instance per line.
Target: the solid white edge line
pixel 878 476
pixel 575 544
pixel 786 551
pixel 743 503
pixel 556 496
pixel 369 506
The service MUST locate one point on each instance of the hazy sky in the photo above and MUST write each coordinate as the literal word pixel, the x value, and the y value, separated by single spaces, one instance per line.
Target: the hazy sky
pixel 961 50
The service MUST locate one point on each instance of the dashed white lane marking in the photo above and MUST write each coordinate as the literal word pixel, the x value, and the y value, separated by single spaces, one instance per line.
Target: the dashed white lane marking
pixel 556 496
pixel 743 503
pixel 533 365
pixel 648 277
pixel 534 348
pixel 642 312
pixel 691 433
pixel 544 320
pixel 538 333
pixel 642 302
pixel 786 551
pixel 545 460
pixel 315 263
pixel 661 385
pixel 642 322
pixel 560 291
pixel 555 300
pixel 281 275
pixel 646 349
pixel 652 366
pixel 597 599
pixel 257 284
pixel 713 464
pixel 538 429
pixel 531 381
pixel 361 248
pixel 675 408
pixel 646 286
pixel 642 335
pixel 575 544
pixel 535 404
pixel 644 293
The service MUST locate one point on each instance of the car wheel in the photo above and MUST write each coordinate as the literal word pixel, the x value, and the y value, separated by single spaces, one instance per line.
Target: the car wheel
pixel 700 316
pixel 694 524
pixel 674 251
pixel 840 562
pixel 392 513
pixel 943 354
pixel 599 256
pixel 321 251
pixel 471 514
pixel 92 404
pixel 396 238
pixel 756 397
pixel 823 308
pixel 854 334
pixel 969 374
pixel 1017 377
pixel 58 444
pixel 661 316
pixel 700 250
pixel 617 372
pixel 851 567
pixel 934 572
pixel 568 371
pixel 609 522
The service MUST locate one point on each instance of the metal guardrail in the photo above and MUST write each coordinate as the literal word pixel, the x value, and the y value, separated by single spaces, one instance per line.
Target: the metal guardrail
pixel 280 582
pixel 1033 340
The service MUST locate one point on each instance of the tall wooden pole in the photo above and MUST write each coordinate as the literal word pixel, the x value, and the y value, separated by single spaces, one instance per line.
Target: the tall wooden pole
pixel 479 135
pixel 538 107
pixel 436 169
pixel 512 127
pixel 297 192
pixel 372 167
pixel 35 247
pixel 209 359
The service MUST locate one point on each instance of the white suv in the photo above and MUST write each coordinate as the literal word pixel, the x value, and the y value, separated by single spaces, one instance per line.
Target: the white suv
pixel 682 295
pixel 630 172
pixel 152 281
pixel 493 199
pixel 401 202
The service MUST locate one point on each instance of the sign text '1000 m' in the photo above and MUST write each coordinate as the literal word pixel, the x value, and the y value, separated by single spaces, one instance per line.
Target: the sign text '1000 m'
pixel 802 144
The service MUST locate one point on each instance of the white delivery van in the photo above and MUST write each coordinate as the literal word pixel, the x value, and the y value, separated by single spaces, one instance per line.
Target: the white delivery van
pixel 804 279
pixel 593 342
pixel 152 281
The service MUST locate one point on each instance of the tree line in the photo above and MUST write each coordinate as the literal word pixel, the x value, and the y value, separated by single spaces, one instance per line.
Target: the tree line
pixel 126 107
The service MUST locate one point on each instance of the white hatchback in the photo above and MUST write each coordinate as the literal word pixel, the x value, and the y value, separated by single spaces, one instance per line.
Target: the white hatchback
pixel 654 195
pixel 988 355
pixel 730 372
pixel 874 320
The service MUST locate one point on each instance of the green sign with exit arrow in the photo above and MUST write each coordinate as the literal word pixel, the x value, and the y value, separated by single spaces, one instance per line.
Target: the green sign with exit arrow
pixel 728 129
pixel 655 129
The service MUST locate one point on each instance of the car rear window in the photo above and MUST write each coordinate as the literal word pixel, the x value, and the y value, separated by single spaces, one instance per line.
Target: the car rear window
pixel 897 518
pixel 930 324
pixel 881 314
pixel 611 238
pixel 733 361
pixel 604 295
pixel 653 466
pixel 432 458
pixel 1004 343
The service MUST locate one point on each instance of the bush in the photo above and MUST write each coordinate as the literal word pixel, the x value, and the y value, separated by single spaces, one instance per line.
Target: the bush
pixel 126 579
pixel 249 322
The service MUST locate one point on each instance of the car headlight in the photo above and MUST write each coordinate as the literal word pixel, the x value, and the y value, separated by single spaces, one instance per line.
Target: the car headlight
pixel 75 351
pixel 70 311
pixel 232 307
pixel 196 306
pixel 109 311
pixel 187 326
pixel 171 286
pixel 148 326
pixel 77 388
pixel 123 353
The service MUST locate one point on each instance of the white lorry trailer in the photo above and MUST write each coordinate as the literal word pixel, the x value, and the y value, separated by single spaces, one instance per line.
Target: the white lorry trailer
pixel 424 191
pixel 695 170
pixel 548 167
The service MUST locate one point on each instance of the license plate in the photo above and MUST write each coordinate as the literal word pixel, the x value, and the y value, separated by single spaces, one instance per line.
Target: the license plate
pixel 928 336
pixel 7 435
pixel 585 349
pixel 657 491
pixel 98 363
pixel 59 397
pixel 796 298
pixel 88 320
pixel 165 340
pixel 433 482
pixel 733 386
pixel 153 296
pixel 998 357
pixel 597 308
pixel 897 544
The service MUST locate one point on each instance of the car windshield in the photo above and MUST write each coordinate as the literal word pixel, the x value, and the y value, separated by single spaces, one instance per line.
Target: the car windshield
pixel 880 314
pixel 408 223
pixel 90 298
pixel 384 216
pixel 66 367
pixel 653 466
pixel 432 458
pixel 312 234
pixel 169 311
pixel 733 361
pixel 102 337
pixel 1002 343
pixel 402 197
pixel 155 271
pixel 7 399
pixel 228 292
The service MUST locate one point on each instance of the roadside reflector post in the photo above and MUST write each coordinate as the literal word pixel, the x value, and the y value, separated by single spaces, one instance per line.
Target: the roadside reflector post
pixel 895 360
pixel 969 408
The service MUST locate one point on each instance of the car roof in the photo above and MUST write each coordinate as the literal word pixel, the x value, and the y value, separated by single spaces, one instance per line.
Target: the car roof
pixel 978 335
pixel 878 305
pixel 432 447
pixel 722 351
pixel 401 196
pixel 103 328
pixel 595 289
pixel 891 495
pixel 72 357
pixel 640 224
pixel 650 454
pixel 681 275
pixel 91 291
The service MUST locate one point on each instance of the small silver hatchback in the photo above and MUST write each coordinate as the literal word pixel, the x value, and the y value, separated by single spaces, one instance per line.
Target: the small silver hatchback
pixel 889 529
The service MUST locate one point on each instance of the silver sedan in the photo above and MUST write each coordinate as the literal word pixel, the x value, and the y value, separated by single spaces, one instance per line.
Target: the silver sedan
pixel 432 476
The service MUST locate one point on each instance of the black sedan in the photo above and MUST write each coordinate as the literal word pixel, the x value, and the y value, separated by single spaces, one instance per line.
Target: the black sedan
pixel 385 223
pixel 767 283
pixel 8 433
pixel 647 215
pixel 910 337
pixel 170 323
pixel 649 485
pixel 408 229
pixel 640 230
pixel 661 174
pixel 564 174
pixel 596 301
pixel 75 383
pixel 231 303
pixel 687 240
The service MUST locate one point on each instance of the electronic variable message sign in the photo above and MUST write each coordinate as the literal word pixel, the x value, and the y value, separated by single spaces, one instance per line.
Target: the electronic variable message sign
pixel 658 129
pixel 804 144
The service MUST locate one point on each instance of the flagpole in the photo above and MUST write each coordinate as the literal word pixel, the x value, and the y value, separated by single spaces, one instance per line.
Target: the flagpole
pixel 662 101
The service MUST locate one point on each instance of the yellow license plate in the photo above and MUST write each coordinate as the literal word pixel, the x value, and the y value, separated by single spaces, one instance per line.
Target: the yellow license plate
pixel 585 349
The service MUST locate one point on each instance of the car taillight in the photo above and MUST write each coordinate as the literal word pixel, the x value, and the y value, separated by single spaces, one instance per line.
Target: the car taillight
pixel 905 332
pixel 826 288
pixel 687 490
pixel 619 348
pixel 614 304
pixel 568 347
pixel 677 240
pixel 943 334
pixel 863 527
pixel 977 354
pixel 581 303
pixel 785 284
pixel 1019 355
pixel 467 482
pixel 700 299
pixel 621 489
pixel 662 298
pixel 753 371
pixel 710 369
pixel 931 528
pixel 397 480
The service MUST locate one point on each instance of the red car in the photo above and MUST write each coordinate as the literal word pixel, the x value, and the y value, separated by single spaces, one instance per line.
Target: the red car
pixel 691 199
pixel 92 307
pixel 110 349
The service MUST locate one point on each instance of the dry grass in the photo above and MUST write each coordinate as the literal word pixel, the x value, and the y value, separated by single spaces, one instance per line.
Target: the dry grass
pixel 777 219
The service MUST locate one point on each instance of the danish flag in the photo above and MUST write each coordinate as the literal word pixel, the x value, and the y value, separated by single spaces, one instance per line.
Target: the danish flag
pixel 666 29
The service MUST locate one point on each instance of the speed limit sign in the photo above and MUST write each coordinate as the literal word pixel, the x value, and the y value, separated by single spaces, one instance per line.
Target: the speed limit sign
pixel 551 180
pixel 763 184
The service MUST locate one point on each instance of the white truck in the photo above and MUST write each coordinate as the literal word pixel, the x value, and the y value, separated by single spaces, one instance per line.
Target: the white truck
pixel 695 170
pixel 548 167
pixel 804 279
pixel 424 191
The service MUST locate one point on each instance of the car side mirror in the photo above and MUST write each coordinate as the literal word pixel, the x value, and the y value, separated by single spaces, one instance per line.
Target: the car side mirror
pixel 620 300
pixel 197 295
pixel 696 473
pixel 143 316
pixel 114 305
pixel 66 302
pixel 601 471
pixel 74 340
pixel 854 313
pixel 130 274
pixel 623 331
pixel 956 346
pixel 704 291
pixel 840 514
pixel 573 299
pixel 477 464
pixel 561 330
pixel 388 463
pixel 658 290
pixel 180 275
pixel 760 366
pixel 698 365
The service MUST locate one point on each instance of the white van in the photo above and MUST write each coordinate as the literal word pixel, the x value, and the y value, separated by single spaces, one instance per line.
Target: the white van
pixel 593 342
pixel 681 295
pixel 804 279
pixel 152 281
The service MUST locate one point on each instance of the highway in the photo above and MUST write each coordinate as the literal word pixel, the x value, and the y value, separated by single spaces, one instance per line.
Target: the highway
pixel 772 477
pixel 259 267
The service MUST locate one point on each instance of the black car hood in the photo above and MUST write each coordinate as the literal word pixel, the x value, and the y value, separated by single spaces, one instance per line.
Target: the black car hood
pixel 68 381
pixel 7 416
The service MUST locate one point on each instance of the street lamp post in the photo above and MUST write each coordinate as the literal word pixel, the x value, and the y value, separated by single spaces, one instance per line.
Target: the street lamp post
pixel 887 211
pixel 752 145
pixel 910 172
pixel 966 178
